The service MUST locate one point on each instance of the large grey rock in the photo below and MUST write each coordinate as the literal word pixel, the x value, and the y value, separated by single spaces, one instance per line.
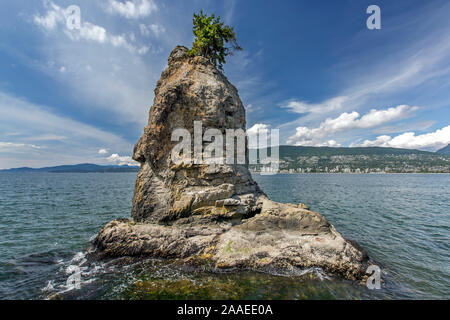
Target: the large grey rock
pixel 190 89
pixel 215 214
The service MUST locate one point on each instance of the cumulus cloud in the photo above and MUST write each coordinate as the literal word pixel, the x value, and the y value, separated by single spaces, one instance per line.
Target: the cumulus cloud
pixel 122 160
pixel 52 18
pixel 103 151
pixel 57 16
pixel 121 41
pixel 386 76
pixel 329 143
pixel 89 31
pixel 348 121
pixel 124 78
pixel 143 50
pixel 154 29
pixel 256 133
pixel 258 128
pixel 132 9
pixel 409 140
pixel 123 74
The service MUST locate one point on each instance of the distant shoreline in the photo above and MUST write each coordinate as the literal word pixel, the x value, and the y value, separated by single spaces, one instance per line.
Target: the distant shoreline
pixel 81 172
pixel 77 168
pixel 257 173
pixel 349 173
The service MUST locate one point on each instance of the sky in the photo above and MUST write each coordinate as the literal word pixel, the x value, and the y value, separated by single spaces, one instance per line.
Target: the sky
pixel 311 69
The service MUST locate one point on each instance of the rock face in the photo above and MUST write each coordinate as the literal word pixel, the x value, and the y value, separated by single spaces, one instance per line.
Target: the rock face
pixel 190 89
pixel 215 214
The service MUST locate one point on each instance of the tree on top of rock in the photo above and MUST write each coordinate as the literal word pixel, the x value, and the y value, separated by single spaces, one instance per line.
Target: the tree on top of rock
pixel 211 37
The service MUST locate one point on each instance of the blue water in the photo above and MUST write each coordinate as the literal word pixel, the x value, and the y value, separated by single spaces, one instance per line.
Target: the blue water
pixel 402 220
pixel 47 221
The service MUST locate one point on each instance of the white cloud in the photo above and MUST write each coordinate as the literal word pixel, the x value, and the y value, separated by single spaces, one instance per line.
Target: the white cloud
pixel 415 65
pixel 377 117
pixel 52 18
pixel 258 128
pixel 329 143
pixel 120 85
pixel 89 31
pixel 121 41
pixel 132 9
pixel 142 51
pixel 126 93
pixel 409 140
pixel 122 78
pixel 348 121
pixel 256 132
pixel 61 140
pixel 122 160
pixel 7 146
pixel 155 29
pixel 103 151
pixel 56 16
pixel 113 84
pixel 332 104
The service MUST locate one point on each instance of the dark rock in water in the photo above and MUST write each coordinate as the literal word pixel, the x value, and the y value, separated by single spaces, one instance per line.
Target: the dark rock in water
pixel 215 214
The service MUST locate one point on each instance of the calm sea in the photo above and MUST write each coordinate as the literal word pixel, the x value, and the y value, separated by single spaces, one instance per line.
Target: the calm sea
pixel 48 220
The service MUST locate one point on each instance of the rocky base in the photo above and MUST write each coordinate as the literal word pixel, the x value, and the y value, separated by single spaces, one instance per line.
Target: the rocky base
pixel 215 214
pixel 281 237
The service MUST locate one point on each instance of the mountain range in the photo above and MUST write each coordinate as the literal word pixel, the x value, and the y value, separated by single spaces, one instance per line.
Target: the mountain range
pixel 296 151
pixel 445 150
pixel 295 157
pixel 299 159
pixel 77 168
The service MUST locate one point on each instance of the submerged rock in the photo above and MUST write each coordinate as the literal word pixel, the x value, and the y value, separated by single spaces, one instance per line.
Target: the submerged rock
pixel 215 214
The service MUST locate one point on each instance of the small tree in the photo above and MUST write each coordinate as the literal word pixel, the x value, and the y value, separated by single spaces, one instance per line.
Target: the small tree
pixel 211 37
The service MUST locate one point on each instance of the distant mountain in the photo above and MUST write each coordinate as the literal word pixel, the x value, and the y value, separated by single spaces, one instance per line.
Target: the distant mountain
pixel 298 151
pixel 298 159
pixel 445 150
pixel 313 159
pixel 77 168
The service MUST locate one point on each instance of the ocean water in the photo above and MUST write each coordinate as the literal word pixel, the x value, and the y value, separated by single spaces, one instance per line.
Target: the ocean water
pixel 48 220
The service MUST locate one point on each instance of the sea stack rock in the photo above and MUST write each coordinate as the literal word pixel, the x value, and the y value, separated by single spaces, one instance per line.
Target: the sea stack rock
pixel 215 214
pixel 190 89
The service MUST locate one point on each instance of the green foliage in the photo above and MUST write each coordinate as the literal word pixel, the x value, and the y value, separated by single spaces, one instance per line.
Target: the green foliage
pixel 211 39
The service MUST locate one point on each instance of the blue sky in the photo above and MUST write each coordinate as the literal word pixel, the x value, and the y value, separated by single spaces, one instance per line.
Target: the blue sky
pixel 309 68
